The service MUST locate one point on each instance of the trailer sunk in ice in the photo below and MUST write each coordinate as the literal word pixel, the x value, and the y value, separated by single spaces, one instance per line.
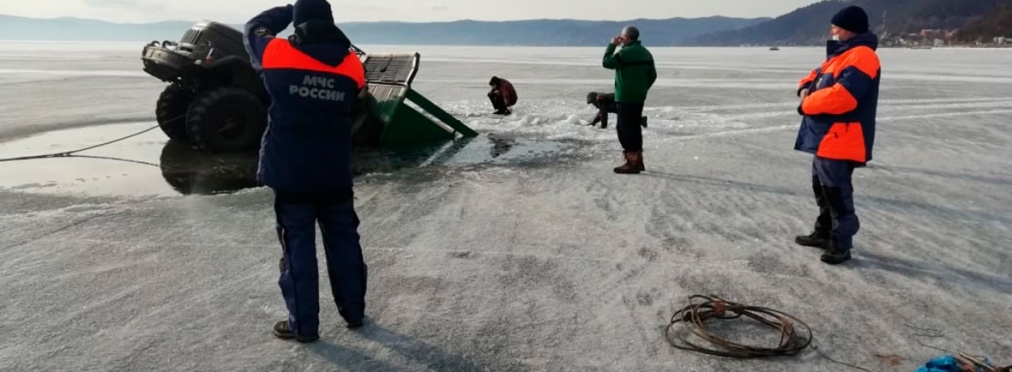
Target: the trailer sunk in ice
pixel 216 102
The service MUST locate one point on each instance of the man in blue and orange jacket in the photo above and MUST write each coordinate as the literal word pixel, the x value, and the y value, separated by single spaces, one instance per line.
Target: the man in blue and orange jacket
pixel 314 80
pixel 839 102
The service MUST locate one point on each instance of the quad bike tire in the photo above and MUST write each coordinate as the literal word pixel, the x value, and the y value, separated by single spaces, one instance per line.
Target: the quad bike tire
pixel 171 109
pixel 225 119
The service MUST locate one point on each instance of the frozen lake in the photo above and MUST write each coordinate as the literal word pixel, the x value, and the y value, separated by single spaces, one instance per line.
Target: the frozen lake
pixel 519 250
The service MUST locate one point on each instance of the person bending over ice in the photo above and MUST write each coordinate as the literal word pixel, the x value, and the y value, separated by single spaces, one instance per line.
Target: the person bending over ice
pixel 605 104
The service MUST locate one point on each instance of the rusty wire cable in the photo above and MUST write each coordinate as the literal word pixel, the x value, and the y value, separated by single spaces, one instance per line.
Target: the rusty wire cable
pixel 795 335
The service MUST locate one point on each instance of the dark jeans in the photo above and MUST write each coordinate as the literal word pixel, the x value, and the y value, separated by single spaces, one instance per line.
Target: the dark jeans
pixel 630 131
pixel 296 217
pixel 498 103
pixel 834 193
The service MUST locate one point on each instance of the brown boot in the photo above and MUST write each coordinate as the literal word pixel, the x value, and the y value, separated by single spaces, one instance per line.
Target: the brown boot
pixel 630 166
pixel 638 158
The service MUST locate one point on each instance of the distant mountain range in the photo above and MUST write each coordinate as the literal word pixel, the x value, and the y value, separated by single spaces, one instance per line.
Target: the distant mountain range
pixel 78 29
pixel 975 19
pixel 665 32
pixel 526 33
pixel 809 25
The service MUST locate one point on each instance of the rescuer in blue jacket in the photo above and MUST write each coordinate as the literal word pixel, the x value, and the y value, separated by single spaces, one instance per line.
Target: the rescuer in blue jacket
pixel 314 80
pixel 839 100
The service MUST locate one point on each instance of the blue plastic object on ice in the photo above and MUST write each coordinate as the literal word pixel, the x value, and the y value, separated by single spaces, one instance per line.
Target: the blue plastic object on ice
pixel 946 363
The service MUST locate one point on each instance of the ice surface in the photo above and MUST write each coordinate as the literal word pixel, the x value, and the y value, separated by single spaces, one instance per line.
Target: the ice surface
pixel 520 250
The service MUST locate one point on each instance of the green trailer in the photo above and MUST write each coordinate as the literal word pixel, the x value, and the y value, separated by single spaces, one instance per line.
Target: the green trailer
pixel 399 115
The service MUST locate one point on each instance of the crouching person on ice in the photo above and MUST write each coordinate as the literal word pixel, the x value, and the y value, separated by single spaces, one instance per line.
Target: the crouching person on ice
pixel 314 81
pixel 502 95
pixel 838 102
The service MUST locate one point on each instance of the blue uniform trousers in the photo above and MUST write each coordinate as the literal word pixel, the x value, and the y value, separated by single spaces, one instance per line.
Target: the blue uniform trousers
pixel 296 215
pixel 834 194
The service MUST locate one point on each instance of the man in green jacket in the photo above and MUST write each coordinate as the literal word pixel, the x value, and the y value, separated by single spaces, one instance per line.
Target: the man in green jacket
pixel 634 75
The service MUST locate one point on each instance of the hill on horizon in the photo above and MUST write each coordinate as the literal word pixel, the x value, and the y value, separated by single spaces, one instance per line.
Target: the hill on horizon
pixel 809 25
pixel 542 32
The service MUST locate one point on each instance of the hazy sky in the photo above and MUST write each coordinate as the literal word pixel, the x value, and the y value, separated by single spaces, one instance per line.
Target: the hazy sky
pixel 400 10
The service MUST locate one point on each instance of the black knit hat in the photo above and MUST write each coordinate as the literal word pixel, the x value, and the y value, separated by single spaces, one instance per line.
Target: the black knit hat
pixel 852 18
pixel 312 10
pixel 591 97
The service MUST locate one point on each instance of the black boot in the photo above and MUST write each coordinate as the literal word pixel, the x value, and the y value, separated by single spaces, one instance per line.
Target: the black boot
pixel 815 239
pixel 820 238
pixel 284 332
pixel 835 256
pixel 350 322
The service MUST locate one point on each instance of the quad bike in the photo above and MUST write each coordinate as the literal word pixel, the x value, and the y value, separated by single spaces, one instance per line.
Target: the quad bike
pixel 216 102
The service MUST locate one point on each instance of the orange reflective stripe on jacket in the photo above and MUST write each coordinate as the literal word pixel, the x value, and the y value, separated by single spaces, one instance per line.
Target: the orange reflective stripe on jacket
pixel 844 141
pixel 837 100
pixel 809 79
pixel 281 55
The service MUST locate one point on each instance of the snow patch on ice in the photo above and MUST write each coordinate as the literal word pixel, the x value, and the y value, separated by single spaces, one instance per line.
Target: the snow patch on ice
pixel 79 210
pixel 569 119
